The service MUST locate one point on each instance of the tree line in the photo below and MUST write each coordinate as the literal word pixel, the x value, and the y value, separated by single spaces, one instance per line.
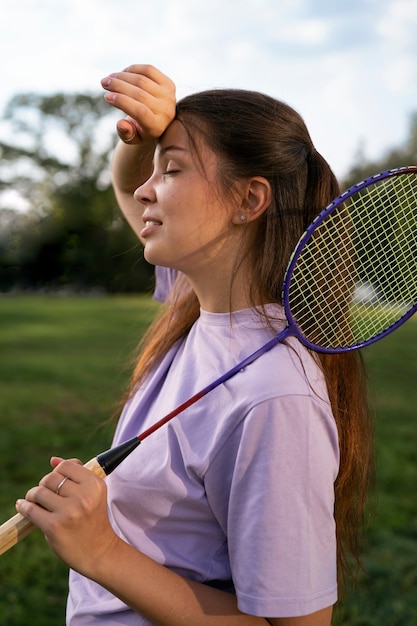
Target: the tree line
pixel 71 235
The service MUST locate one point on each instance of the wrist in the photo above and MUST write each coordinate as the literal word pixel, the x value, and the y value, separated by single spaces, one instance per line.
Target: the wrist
pixel 101 565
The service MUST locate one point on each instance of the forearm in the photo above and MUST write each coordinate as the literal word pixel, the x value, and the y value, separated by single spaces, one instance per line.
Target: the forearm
pixel 132 165
pixel 162 596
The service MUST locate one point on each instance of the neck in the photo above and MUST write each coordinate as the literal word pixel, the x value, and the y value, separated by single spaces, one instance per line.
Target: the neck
pixel 222 283
pixel 222 292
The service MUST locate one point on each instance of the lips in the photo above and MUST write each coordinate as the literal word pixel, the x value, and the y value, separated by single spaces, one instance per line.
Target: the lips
pixel 149 226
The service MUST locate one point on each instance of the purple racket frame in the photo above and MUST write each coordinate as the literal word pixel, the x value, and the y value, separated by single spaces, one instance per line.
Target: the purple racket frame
pixel 292 327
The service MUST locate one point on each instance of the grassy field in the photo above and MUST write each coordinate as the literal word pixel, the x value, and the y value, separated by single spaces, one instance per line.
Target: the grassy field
pixel 63 365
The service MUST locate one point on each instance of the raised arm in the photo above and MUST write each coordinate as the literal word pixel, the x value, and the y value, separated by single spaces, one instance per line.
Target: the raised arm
pixel 147 97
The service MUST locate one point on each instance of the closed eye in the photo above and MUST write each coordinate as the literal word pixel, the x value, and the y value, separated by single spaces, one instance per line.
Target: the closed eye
pixel 170 168
pixel 170 171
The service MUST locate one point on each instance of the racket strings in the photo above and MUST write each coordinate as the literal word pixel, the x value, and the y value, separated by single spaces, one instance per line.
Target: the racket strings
pixel 357 274
pixel 395 252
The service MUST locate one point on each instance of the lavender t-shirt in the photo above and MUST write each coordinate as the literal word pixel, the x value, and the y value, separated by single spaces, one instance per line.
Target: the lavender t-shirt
pixel 240 485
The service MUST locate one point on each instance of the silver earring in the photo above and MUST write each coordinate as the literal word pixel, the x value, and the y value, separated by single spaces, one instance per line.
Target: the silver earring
pixel 242 218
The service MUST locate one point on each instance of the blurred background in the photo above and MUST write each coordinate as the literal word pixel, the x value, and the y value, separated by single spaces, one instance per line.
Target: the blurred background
pixel 349 68
pixel 75 290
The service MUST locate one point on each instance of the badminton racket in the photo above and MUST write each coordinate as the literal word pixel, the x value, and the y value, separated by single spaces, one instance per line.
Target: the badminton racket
pixel 351 280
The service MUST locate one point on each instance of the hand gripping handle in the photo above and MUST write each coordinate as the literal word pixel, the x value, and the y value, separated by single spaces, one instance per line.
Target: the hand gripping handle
pixel 18 526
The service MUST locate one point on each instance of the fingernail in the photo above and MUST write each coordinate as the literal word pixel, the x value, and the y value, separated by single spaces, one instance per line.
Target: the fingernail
pixel 106 82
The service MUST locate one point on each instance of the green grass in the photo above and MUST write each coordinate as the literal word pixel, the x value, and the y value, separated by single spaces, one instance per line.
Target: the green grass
pixel 387 591
pixel 63 366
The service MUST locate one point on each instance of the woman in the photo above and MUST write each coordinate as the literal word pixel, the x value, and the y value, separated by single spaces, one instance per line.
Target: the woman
pixel 230 513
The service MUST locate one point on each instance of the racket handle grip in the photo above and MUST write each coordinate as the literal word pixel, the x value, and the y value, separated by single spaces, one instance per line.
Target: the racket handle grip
pixel 18 526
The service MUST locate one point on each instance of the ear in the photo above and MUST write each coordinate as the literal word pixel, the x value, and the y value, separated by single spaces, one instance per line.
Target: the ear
pixel 255 199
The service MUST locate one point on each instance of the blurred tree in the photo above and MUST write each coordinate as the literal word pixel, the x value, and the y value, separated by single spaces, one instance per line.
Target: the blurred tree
pixel 57 158
pixel 363 168
pixel 395 157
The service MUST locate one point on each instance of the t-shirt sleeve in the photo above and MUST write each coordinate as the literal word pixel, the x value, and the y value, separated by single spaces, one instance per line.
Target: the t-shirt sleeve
pixel 271 486
pixel 164 282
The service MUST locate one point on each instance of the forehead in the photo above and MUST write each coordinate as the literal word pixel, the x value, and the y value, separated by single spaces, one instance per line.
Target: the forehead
pixel 178 140
pixel 175 137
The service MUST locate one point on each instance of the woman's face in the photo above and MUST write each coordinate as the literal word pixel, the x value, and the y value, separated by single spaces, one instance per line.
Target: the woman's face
pixel 187 221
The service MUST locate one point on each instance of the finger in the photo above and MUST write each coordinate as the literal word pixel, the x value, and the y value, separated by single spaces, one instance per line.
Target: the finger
pixel 63 468
pixel 126 80
pixel 120 91
pixel 41 496
pixel 133 93
pixel 129 131
pixel 73 460
pixel 63 481
pixel 126 98
pixel 150 72
pixel 55 481
pixel 78 475
pixel 136 84
pixel 150 124
pixel 33 512
pixel 38 505
pixel 55 460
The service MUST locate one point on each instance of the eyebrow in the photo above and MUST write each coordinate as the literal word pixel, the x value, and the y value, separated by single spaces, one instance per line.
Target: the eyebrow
pixel 173 147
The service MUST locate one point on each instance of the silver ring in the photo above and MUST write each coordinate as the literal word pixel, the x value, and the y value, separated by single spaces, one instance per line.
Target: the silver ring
pixel 130 139
pixel 60 485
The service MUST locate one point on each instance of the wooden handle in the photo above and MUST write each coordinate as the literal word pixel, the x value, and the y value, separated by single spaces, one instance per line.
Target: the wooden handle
pixel 94 466
pixel 12 531
pixel 17 527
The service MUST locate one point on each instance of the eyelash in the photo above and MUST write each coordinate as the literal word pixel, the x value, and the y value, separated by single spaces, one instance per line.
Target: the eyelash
pixel 172 171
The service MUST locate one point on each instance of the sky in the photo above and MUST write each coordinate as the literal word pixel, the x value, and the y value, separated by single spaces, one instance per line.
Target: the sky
pixel 349 67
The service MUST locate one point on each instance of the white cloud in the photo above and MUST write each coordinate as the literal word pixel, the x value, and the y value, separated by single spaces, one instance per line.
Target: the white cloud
pixel 397 28
pixel 348 68
pixel 396 24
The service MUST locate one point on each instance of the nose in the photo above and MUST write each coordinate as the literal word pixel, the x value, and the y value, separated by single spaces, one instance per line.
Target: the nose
pixel 145 193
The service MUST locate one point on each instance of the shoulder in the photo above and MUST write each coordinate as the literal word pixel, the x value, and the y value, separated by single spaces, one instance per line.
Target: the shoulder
pixel 220 343
pixel 287 370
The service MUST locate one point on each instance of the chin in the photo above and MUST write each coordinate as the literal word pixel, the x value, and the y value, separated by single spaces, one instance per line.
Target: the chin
pixel 151 257
pixel 156 259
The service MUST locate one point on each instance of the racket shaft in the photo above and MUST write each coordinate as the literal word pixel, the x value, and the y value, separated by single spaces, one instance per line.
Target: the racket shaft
pixel 18 526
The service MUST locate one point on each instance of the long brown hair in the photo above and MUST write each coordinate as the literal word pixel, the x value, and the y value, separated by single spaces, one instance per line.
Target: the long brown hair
pixel 255 135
